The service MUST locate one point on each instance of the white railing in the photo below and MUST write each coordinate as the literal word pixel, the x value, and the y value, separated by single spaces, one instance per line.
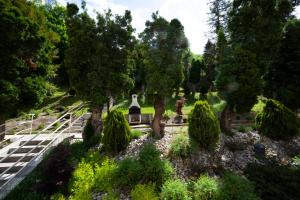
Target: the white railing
pixel 52 137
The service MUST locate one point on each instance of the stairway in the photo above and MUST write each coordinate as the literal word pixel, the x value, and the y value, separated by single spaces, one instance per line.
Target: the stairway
pixel 19 158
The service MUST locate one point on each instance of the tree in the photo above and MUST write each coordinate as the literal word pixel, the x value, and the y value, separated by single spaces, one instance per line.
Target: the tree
pixel 26 53
pixel 166 44
pixel 97 57
pixel 194 75
pixel 282 79
pixel 238 82
pixel 209 71
pixel 56 15
pixel 218 14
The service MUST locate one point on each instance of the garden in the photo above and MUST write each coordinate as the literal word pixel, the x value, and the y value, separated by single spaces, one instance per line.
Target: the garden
pixel 223 125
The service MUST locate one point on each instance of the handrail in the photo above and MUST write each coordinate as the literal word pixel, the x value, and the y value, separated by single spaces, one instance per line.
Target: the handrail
pixel 38 134
pixel 31 150
pixel 38 145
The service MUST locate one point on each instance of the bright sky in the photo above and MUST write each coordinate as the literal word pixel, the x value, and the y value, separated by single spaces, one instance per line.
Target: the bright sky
pixel 193 14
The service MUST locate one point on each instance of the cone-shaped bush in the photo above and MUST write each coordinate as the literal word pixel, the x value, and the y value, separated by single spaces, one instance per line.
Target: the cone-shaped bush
pixel 277 121
pixel 116 132
pixel 204 126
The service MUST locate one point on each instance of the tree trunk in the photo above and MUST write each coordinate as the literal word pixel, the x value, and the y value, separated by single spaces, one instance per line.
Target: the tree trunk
pixel 193 91
pixel 177 92
pixel 226 120
pixel 157 126
pixel 96 119
pixel 2 127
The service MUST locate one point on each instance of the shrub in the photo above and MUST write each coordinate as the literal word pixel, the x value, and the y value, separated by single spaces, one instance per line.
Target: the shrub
pixel 235 187
pixel 116 132
pixel 174 190
pixel 155 169
pixel 129 172
pixel 105 175
pixel 55 171
pixel 277 121
pixel 145 192
pixel 204 126
pixel 135 134
pixel 90 139
pixel 82 182
pixel 180 145
pixel 274 182
pixel 206 188
pixel 57 196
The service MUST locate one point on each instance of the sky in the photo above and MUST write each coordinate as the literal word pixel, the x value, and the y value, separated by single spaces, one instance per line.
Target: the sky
pixel 193 14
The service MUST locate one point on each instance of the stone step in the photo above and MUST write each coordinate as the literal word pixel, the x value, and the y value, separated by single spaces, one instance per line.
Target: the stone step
pixel 27 149
pixel 35 142
pixel 14 158
pixel 14 169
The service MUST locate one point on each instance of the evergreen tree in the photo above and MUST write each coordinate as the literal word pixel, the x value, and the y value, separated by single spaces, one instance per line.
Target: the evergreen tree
pixel 97 57
pixel 194 75
pixel 282 79
pixel 218 14
pixel 166 44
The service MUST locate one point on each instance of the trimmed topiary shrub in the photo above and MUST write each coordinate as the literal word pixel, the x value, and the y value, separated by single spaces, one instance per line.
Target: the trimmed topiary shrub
pixel 116 132
pixel 180 145
pixel 235 187
pixel 155 169
pixel 175 190
pixel 277 121
pixel 274 182
pixel 204 126
pixel 206 188
pixel 145 192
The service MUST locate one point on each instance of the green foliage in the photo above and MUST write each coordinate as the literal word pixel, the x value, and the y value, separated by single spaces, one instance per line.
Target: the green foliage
pixel 274 182
pixel 277 121
pixel 98 50
pixel 105 175
pixel 116 133
pixel 180 145
pixel 204 126
pixel 235 187
pixel 129 172
pixel 146 192
pixel 26 56
pixel 82 182
pixel 135 134
pixel 296 161
pixel 155 169
pixel 57 196
pixel 206 188
pixel 282 78
pixel 175 190
pixel 90 139
pixel 166 44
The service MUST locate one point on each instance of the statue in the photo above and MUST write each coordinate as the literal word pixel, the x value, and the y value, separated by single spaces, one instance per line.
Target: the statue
pixel 179 105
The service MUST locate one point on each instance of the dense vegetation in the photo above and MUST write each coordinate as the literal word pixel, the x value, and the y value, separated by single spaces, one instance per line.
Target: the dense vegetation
pixel 253 50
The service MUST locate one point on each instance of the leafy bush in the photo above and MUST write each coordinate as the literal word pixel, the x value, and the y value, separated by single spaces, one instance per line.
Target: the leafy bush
pixel 57 196
pixel 277 121
pixel 155 169
pixel 55 171
pixel 145 192
pixel 135 134
pixel 175 190
pixel 206 188
pixel 116 132
pixel 82 182
pixel 275 182
pixel 129 172
pixel 235 187
pixel 105 175
pixel 180 145
pixel 204 126
pixel 89 137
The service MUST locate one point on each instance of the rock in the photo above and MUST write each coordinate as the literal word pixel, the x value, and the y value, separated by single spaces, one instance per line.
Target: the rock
pixel 240 141
pixel 259 150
